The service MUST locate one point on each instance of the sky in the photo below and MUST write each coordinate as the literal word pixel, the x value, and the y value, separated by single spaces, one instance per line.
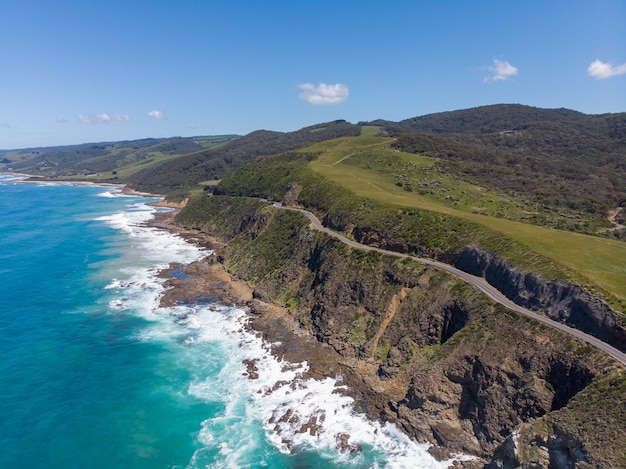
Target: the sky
pixel 78 71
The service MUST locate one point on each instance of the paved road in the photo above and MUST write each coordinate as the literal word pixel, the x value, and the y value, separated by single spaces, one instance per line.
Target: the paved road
pixel 477 282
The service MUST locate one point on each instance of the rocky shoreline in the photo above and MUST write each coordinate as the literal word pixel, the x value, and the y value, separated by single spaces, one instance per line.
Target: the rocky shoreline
pixel 207 280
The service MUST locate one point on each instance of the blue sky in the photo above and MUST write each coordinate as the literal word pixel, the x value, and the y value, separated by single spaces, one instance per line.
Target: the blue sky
pixel 85 71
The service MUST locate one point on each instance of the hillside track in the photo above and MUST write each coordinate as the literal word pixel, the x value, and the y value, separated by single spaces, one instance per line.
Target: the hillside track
pixel 478 282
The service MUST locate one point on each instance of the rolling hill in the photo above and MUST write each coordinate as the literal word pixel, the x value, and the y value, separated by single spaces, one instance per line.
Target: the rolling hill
pixel 104 160
pixel 192 171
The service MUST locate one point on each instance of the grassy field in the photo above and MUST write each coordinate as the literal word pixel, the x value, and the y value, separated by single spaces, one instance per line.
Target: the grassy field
pixel 358 164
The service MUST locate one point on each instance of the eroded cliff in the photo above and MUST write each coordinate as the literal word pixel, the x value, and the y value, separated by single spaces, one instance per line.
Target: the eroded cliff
pixel 558 299
pixel 434 356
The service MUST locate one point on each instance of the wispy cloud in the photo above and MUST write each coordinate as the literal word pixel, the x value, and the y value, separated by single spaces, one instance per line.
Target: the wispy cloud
pixel 5 125
pixel 103 118
pixel 157 114
pixel 323 94
pixel 500 70
pixel 602 70
pixel 62 120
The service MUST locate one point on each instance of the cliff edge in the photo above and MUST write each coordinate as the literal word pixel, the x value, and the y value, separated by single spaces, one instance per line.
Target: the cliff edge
pixel 433 355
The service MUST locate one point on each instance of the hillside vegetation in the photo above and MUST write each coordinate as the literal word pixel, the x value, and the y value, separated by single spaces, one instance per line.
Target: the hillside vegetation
pixel 567 163
pixel 106 160
pixel 367 196
pixel 195 170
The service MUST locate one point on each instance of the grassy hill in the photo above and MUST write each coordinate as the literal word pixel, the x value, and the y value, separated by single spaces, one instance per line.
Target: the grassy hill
pixel 483 119
pixel 194 170
pixel 356 165
pixel 362 181
pixel 104 160
pixel 373 312
pixel 551 160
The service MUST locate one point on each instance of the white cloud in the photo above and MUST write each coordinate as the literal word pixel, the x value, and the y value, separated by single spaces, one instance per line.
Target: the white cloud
pixel 500 70
pixel 323 93
pixel 62 120
pixel 157 114
pixel 602 70
pixel 103 118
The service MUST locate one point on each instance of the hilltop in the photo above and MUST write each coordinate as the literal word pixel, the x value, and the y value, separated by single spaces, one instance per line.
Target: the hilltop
pixel 555 159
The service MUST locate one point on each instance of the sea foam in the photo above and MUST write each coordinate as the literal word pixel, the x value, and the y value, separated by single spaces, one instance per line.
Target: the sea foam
pixel 276 406
pixel 296 415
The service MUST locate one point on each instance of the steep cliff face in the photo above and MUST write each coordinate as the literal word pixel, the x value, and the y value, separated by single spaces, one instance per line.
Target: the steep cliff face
pixel 433 354
pixel 559 300
pixel 478 395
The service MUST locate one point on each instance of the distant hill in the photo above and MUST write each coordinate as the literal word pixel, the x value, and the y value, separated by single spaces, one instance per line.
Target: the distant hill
pixel 171 166
pixel 494 118
pixel 558 159
pixel 91 159
pixel 185 173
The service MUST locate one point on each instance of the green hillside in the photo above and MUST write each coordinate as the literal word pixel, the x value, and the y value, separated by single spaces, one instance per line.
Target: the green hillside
pixel 568 166
pixel 104 160
pixel 342 178
pixel 361 166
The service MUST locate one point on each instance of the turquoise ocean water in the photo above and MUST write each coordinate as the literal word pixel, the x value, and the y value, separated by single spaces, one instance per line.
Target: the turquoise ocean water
pixel 94 374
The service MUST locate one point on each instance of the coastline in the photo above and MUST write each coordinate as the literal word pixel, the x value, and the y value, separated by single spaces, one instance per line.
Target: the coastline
pixel 208 280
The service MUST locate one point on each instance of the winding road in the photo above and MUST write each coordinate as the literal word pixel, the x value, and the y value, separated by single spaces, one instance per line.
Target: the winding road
pixel 477 282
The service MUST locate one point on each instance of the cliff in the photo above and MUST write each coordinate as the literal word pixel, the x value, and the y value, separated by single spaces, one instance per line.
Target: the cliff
pixel 433 355
pixel 560 300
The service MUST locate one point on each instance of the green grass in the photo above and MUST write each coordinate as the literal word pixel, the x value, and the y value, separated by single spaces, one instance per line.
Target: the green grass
pixel 429 178
pixel 601 260
pixel 124 169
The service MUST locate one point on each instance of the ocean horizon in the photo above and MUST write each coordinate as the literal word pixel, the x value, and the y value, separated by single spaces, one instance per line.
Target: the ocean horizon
pixel 96 374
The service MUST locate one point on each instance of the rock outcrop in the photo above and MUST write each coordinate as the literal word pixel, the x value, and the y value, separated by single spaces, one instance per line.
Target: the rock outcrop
pixel 560 300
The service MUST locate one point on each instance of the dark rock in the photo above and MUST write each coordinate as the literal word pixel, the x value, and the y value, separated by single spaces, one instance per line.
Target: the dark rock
pixel 559 300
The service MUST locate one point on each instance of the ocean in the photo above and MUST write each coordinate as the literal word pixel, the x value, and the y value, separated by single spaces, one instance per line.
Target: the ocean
pixel 94 374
